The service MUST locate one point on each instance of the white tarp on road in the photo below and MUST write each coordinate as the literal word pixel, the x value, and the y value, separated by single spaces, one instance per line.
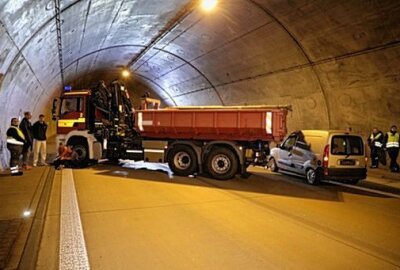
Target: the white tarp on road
pixel 126 163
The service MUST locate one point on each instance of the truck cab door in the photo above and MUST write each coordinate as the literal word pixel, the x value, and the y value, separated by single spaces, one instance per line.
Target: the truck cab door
pixel 285 153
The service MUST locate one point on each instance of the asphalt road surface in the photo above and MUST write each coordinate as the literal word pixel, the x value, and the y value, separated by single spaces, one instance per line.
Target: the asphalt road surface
pixel 146 220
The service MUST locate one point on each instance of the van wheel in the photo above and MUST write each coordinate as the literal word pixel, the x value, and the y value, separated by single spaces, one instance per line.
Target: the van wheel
pixel 182 160
pixel 312 177
pixel 222 164
pixel 272 165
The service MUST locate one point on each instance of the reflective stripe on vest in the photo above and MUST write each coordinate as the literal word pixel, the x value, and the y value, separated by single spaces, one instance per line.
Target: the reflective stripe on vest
pixel 20 133
pixel 378 144
pixel 374 139
pixel 11 140
pixel 393 140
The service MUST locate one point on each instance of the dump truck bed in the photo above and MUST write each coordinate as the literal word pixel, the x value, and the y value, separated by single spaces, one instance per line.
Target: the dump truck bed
pixel 241 123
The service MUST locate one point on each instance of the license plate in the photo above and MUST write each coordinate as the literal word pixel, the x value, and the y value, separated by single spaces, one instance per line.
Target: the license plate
pixel 347 162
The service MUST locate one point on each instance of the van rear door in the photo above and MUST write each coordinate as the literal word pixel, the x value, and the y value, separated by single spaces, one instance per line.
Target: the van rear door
pixel 346 151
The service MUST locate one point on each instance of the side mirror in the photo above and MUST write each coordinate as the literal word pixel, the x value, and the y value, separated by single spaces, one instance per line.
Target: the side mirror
pixel 54 109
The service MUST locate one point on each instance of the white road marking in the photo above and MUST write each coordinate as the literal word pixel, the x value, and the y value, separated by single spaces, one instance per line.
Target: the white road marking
pixel 363 189
pixel 73 254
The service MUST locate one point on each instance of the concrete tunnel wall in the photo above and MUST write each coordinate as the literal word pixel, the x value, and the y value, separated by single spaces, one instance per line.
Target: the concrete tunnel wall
pixel 336 62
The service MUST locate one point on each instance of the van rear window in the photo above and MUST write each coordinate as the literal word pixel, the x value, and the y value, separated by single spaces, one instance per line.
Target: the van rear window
pixel 347 145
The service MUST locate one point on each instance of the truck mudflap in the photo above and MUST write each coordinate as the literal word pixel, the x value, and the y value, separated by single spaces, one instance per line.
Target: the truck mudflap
pixel 97 151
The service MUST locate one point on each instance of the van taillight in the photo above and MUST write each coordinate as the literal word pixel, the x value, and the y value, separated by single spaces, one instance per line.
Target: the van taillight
pixel 325 159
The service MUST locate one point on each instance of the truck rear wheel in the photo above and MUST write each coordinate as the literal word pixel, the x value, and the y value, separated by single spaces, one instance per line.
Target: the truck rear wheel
pixel 222 164
pixel 182 160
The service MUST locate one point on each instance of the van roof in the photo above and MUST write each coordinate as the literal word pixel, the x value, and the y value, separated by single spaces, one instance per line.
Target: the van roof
pixel 326 132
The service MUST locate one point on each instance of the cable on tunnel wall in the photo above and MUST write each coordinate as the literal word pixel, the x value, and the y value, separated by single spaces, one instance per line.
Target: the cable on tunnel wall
pixel 59 40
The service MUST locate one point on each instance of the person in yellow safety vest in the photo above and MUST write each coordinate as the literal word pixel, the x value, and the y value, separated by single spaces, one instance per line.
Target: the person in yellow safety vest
pixel 392 144
pixel 375 142
pixel 15 143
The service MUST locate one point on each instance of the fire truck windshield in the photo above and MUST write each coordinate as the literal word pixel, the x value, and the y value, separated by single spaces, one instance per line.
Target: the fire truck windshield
pixel 71 104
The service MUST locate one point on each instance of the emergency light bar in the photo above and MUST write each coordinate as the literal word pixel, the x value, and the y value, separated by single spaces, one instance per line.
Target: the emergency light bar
pixel 67 88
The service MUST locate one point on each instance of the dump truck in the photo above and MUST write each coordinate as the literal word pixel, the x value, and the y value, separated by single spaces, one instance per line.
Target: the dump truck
pixel 220 141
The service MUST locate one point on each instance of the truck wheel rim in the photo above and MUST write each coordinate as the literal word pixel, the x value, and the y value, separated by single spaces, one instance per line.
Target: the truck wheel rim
pixel 221 164
pixel 81 151
pixel 182 160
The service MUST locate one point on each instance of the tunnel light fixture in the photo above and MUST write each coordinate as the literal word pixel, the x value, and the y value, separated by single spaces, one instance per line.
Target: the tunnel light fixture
pixel 209 5
pixel 125 73
pixel 27 213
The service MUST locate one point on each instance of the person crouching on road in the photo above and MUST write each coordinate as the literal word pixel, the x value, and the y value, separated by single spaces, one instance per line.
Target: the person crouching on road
pixel 392 143
pixel 375 142
pixel 26 128
pixel 68 158
pixel 39 145
pixel 15 143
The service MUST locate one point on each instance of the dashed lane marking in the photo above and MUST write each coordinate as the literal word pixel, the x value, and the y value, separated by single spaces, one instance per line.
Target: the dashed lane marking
pixel 363 189
pixel 73 254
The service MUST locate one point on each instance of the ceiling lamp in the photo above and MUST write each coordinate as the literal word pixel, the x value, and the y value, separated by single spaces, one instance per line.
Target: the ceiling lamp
pixel 209 5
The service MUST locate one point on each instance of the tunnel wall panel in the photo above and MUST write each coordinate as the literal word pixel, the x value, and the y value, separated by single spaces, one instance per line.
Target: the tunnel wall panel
pixel 216 29
pixel 205 97
pixel 266 50
pixel 8 51
pixel 162 59
pixel 73 33
pixel 20 92
pixel 42 55
pixel 299 88
pixel 332 28
pixel 24 18
pixel 364 90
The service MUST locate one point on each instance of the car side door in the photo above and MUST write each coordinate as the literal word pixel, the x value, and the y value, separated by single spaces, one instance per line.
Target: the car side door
pixel 300 155
pixel 285 153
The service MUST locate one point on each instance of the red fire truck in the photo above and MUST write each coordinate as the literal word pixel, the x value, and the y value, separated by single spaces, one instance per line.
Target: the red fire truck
pixel 220 141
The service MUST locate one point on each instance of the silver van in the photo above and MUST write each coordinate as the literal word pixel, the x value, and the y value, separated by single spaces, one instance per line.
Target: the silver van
pixel 321 154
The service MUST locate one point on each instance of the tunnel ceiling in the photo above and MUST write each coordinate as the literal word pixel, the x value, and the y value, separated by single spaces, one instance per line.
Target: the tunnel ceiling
pixel 336 62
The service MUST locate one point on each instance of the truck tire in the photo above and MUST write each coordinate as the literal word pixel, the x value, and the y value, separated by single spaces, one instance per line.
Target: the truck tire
pixel 222 164
pixel 182 160
pixel 82 151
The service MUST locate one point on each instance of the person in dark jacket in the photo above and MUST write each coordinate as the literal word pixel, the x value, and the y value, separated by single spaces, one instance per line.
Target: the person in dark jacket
pixel 15 143
pixel 26 128
pixel 375 142
pixel 39 129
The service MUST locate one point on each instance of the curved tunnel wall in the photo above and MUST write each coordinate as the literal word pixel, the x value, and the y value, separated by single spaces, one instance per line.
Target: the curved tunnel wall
pixel 336 62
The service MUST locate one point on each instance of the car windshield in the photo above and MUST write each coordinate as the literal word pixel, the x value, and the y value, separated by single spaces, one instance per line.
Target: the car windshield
pixel 347 145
